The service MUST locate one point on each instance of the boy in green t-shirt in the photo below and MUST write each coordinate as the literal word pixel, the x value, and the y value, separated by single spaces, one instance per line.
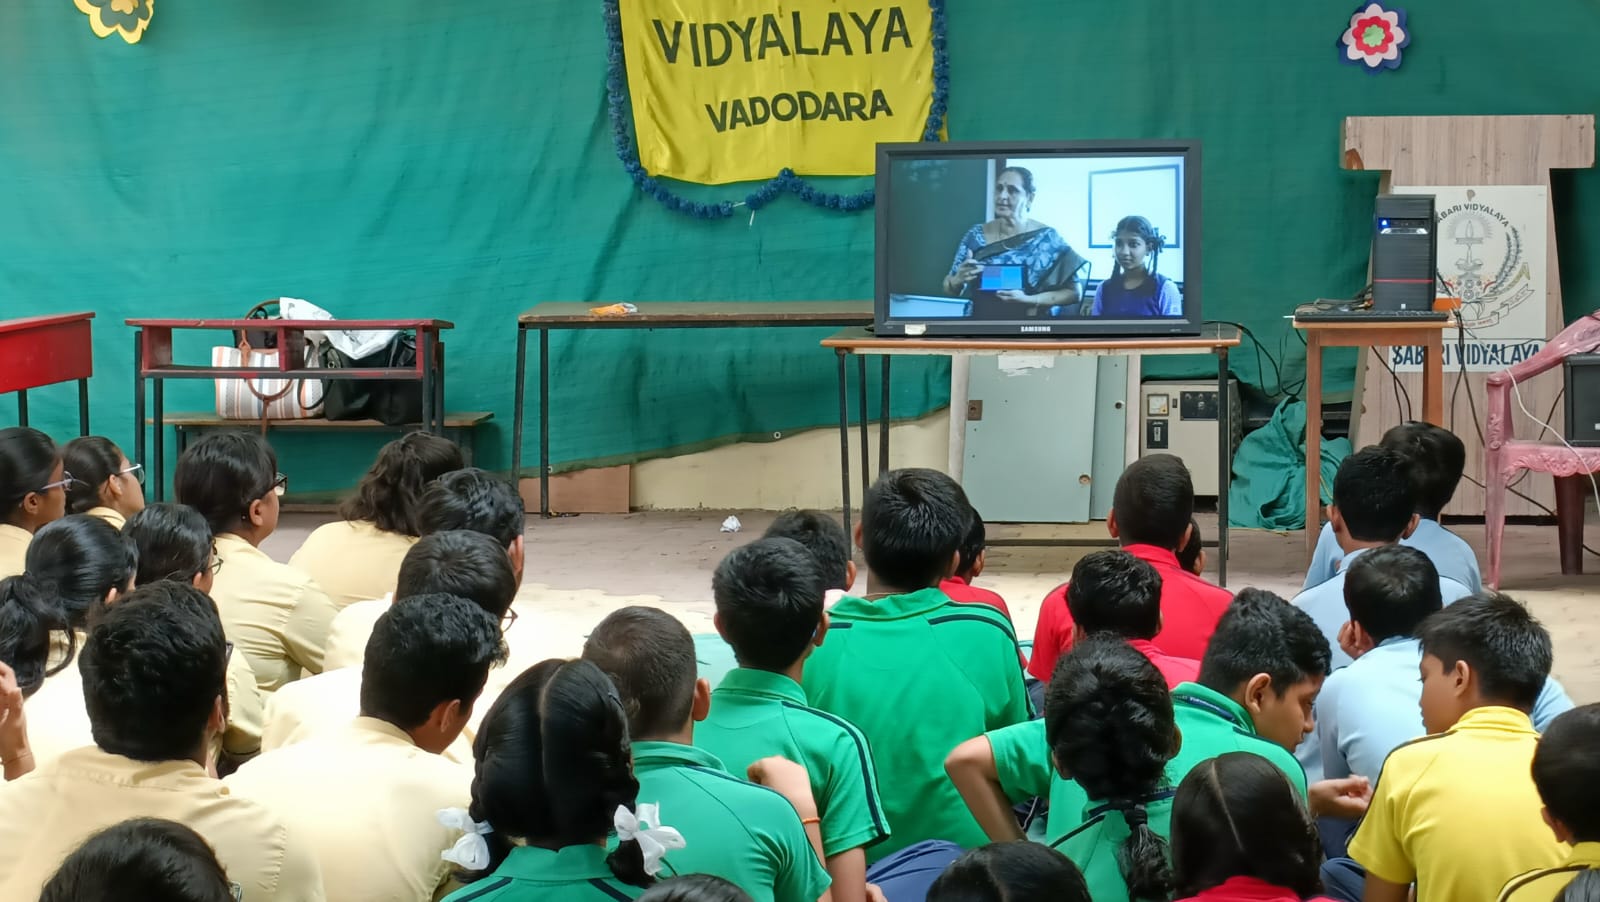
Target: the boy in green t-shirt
pixel 768 843
pixel 769 609
pixel 917 672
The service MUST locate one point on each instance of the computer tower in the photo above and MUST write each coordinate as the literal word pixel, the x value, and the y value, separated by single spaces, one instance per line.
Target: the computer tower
pixel 1180 418
pixel 1404 252
pixel 1582 372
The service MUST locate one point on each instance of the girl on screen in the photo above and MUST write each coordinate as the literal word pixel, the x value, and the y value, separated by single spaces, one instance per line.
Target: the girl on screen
pixel 1135 289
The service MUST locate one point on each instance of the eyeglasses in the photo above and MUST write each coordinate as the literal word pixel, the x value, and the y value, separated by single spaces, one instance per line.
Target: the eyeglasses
pixel 134 470
pixel 227 652
pixel 65 482
pixel 506 621
pixel 280 484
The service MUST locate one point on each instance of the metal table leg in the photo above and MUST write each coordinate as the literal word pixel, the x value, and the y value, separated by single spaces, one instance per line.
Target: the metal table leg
pixel 544 423
pixel 844 438
pixel 883 420
pixel 865 418
pixel 157 391
pixel 22 407
pixel 521 399
pixel 83 406
pixel 425 354
pixel 138 401
pixel 1225 416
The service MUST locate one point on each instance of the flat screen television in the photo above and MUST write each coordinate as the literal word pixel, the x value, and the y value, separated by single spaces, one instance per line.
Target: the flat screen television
pixel 1069 238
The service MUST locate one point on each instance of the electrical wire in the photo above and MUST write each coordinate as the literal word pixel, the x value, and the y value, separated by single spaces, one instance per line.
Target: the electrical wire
pixel 1399 387
pixel 1261 351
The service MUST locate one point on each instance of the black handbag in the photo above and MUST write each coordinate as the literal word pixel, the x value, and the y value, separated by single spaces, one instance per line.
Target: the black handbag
pixel 394 402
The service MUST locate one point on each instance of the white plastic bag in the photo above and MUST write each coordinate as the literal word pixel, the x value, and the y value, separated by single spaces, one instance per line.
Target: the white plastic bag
pixel 355 345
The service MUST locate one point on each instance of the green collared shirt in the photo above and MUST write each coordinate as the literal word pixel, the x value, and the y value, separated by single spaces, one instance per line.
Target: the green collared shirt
pixel 756 714
pixel 1094 844
pixel 736 830
pixel 919 674
pixel 1022 762
pixel 1213 724
pixel 572 874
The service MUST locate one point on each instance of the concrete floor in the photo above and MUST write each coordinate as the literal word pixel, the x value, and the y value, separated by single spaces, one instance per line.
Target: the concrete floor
pixel 579 568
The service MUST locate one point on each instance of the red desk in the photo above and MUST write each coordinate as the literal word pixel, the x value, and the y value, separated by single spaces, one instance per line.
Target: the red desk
pixel 152 362
pixel 45 350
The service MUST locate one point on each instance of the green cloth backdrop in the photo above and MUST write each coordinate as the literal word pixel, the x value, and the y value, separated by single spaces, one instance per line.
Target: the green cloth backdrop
pixel 452 158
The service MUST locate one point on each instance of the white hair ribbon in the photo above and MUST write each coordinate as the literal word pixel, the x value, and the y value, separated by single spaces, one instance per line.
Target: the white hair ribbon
pixel 471 851
pixel 646 829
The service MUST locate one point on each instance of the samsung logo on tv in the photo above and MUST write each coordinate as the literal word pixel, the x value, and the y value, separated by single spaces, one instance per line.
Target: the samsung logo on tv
pixel 1033 328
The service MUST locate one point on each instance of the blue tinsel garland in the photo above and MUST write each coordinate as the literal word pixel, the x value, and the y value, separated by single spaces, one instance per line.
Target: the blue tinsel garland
pixel 786 181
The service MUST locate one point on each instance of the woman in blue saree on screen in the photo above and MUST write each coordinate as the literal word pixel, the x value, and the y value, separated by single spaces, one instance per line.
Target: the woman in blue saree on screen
pixel 1135 289
pixel 1012 266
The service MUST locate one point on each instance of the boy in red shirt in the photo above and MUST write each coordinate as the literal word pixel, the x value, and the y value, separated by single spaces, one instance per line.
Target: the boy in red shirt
pixel 1150 516
pixel 959 587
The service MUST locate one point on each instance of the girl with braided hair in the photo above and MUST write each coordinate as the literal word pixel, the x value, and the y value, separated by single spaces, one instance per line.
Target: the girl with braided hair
pixel 1135 289
pixel 1109 725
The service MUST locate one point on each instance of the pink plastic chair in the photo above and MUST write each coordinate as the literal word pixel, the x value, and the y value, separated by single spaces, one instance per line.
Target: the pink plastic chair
pixel 1505 456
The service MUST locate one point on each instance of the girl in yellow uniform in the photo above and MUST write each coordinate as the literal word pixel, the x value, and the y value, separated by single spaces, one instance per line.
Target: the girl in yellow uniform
pixel 33 492
pixel 105 484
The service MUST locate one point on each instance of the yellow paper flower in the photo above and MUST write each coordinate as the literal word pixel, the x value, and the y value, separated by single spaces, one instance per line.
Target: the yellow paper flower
pixel 126 18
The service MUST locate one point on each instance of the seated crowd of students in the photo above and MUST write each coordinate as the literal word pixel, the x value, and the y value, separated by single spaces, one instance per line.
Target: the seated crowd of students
pixel 184 718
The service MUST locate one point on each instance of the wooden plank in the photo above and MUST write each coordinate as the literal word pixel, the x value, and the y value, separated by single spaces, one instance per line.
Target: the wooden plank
pixel 48 350
pixel 36 322
pixel 600 490
pixel 1419 151
pixel 703 313
pixel 298 325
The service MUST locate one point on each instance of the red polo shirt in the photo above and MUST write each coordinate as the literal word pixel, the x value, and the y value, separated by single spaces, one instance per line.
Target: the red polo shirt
pixel 1176 670
pixel 1190 609
pixel 1249 889
pixel 958 589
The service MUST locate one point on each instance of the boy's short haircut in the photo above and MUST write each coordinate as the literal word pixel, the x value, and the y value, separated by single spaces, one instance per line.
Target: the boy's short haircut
pixel 649 656
pixel 913 522
pixel 769 601
pixel 1567 772
pixel 1189 554
pixel 1373 493
pixel 427 650
pixel 1154 502
pixel 1262 633
pixel 472 499
pixel 462 563
pixel 1115 592
pixel 1437 458
pixel 1499 640
pixel 821 535
pixel 972 545
pixel 1390 590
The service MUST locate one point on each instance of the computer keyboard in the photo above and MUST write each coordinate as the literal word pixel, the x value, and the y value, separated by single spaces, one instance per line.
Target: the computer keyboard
pixel 1367 315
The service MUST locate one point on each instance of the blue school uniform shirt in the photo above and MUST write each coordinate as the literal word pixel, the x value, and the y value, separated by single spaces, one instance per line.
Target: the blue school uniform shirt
pixel 1325 604
pixel 1372 707
pixel 1451 555
pixel 1154 297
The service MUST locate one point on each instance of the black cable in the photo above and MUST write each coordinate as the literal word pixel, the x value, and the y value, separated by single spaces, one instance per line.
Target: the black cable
pixel 1394 379
pixel 1277 371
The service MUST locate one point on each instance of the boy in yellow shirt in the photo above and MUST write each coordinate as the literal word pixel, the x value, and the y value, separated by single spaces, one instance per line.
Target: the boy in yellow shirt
pixel 1456 812
pixel 1568 776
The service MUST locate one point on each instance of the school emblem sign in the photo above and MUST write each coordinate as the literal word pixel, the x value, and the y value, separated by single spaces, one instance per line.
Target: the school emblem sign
pixel 1492 246
pixel 725 91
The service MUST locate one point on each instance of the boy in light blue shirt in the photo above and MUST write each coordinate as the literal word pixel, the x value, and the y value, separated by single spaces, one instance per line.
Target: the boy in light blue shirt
pixel 1372 507
pixel 1436 459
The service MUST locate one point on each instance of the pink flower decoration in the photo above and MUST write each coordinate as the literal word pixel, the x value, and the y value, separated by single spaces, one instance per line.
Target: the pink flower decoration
pixel 1375 37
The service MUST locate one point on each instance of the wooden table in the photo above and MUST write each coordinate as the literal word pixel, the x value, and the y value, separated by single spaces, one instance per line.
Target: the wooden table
pixel 45 350
pixel 550 317
pixel 1214 339
pixel 1428 334
pixel 152 362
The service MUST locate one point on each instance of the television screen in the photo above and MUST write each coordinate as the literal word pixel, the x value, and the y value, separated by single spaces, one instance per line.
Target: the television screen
pixel 1091 237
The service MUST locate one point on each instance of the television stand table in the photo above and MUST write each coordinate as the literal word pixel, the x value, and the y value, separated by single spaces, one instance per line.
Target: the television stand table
pixel 1215 339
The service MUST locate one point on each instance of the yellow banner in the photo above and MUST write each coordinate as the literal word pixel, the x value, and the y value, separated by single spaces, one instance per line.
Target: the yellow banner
pixel 724 92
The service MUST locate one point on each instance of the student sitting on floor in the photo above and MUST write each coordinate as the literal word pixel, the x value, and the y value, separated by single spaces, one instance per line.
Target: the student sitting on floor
pixel 959 584
pixel 1241 833
pixel 275 615
pixel 553 784
pixel 1010 872
pixel 154 676
pixel 355 557
pixel 1369 709
pixel 769 609
pixel 469 499
pixel 768 843
pixel 1372 507
pixel 141 858
pixel 1108 720
pixel 1457 812
pixel 1566 772
pixel 1435 459
pixel 463 564
pixel 382 774
pixel 174 542
pixel 821 535
pixel 33 492
pixel 1151 511
pixel 915 671
pixel 104 483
